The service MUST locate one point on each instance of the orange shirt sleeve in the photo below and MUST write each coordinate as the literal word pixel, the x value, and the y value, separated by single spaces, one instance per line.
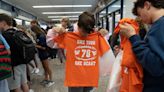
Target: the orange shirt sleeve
pixel 60 40
pixel 103 45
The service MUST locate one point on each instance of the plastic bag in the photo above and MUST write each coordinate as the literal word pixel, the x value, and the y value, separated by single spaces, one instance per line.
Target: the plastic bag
pixel 106 63
pixel 115 76
pixel 50 39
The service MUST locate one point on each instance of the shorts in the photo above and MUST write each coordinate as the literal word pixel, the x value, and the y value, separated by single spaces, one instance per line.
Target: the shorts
pixel 4 86
pixel 19 78
pixel 43 55
pixel 80 89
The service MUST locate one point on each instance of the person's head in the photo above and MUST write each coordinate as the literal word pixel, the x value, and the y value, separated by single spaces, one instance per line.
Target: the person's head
pixel 34 22
pixel 86 23
pixel 21 28
pixel 65 22
pixel 14 23
pixel 116 49
pixel 140 23
pixel 5 21
pixel 145 9
pixel 37 30
pixel 142 28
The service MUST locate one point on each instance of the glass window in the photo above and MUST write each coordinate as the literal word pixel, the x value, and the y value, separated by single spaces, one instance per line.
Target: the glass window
pixel 27 23
pixel 114 7
pixel 104 22
pixel 117 18
pixel 110 23
pixel 102 13
pixel 18 21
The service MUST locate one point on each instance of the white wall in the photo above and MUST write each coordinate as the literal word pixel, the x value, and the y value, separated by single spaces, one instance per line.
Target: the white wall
pixel 6 12
pixel 128 9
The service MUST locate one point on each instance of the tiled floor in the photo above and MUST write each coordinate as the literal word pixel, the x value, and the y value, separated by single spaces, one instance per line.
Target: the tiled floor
pixel 58 77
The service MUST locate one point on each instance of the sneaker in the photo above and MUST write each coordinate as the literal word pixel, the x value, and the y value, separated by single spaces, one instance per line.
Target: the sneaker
pixel 33 70
pixel 43 82
pixel 36 70
pixel 49 83
pixel 31 90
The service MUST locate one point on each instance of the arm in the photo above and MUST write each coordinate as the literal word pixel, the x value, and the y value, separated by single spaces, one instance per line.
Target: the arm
pixel 103 32
pixel 51 34
pixel 55 37
pixel 5 44
pixel 149 57
pixel 40 47
pixel 150 52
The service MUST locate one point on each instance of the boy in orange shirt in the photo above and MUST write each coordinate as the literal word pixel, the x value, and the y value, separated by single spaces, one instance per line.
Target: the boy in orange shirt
pixel 83 49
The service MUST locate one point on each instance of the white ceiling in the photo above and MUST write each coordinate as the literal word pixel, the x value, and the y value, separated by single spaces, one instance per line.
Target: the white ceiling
pixel 27 6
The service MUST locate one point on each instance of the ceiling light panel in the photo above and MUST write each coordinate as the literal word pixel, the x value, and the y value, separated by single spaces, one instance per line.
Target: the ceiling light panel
pixel 62 12
pixel 63 16
pixel 60 6
pixel 58 19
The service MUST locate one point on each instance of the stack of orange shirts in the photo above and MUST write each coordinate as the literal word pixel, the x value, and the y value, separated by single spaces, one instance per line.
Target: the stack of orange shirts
pixel 131 70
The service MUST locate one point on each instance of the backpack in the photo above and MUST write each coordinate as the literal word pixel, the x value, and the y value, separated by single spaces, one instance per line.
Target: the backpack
pixel 24 46
pixel 5 63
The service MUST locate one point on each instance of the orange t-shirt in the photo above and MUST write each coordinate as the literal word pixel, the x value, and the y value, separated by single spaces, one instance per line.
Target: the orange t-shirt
pixel 82 55
pixel 132 73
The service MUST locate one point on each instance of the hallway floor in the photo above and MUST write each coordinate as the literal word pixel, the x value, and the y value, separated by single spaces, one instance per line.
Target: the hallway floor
pixel 58 78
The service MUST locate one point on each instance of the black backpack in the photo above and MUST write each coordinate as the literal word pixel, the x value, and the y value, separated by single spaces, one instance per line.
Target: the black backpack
pixel 23 45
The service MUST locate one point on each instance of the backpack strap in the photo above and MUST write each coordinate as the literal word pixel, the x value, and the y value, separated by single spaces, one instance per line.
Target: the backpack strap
pixel 13 72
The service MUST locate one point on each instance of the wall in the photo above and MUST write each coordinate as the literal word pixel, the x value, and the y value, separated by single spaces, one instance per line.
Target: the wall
pixel 128 9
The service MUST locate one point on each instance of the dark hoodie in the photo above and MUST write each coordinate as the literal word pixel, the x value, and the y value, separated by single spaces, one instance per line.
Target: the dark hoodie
pixel 150 54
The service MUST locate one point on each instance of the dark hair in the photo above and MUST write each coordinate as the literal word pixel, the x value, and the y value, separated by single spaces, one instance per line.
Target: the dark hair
pixel 14 23
pixel 86 22
pixel 140 4
pixel 6 18
pixel 65 19
pixel 34 22
pixel 37 30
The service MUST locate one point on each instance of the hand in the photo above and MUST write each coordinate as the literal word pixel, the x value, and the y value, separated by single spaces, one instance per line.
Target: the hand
pixel 127 30
pixel 103 32
pixel 43 48
pixel 9 52
pixel 59 30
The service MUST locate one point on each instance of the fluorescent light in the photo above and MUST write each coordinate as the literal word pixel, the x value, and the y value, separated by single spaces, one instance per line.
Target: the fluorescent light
pixel 101 15
pixel 6 12
pixel 24 18
pixel 60 6
pixel 116 6
pixel 104 12
pixel 18 21
pixel 62 16
pixel 60 19
pixel 62 12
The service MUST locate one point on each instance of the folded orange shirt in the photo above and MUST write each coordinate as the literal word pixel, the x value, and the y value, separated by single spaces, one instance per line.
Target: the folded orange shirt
pixel 132 73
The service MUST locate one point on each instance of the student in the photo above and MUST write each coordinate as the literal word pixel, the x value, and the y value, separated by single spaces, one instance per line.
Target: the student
pixel 142 28
pixel 149 52
pixel 3 83
pixel 43 55
pixel 34 23
pixel 36 66
pixel 19 79
pixel 65 23
pixel 83 49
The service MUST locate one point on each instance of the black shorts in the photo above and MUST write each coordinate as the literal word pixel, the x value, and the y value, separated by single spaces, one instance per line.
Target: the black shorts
pixel 43 55
pixel 80 89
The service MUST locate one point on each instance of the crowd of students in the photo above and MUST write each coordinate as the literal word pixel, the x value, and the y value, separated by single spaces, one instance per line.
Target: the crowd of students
pixel 142 65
